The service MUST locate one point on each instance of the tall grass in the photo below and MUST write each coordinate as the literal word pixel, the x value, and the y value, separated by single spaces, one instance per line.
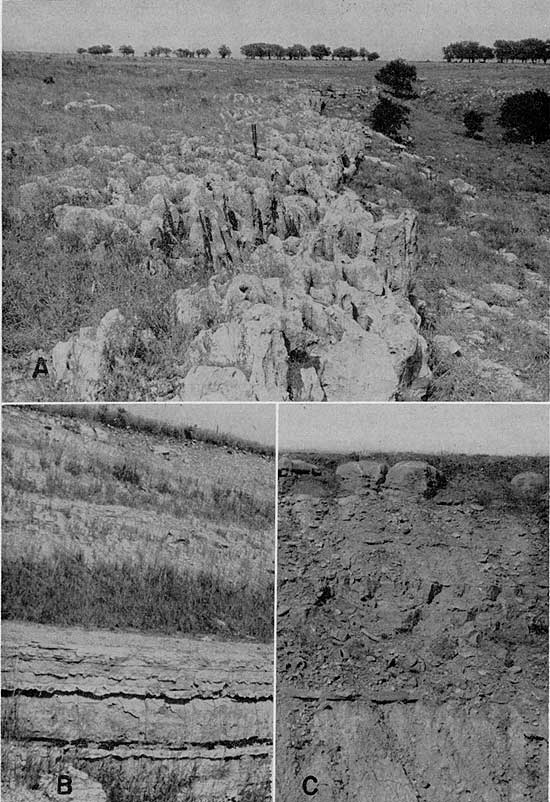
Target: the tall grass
pixel 120 418
pixel 67 473
pixel 62 589
pixel 129 485
pixel 121 781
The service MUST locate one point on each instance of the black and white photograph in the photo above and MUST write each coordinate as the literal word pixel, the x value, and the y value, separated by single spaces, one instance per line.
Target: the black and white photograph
pixel 138 603
pixel 412 603
pixel 275 400
pixel 243 200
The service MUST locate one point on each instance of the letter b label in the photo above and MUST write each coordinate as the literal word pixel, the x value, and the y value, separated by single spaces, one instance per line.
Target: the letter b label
pixel 64 784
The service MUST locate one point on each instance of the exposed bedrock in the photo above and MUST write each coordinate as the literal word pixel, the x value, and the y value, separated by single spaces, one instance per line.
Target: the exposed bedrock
pixel 301 293
pixel 202 708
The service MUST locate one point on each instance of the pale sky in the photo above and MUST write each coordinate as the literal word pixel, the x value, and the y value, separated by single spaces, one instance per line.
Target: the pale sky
pixel 251 421
pixel 497 429
pixel 414 29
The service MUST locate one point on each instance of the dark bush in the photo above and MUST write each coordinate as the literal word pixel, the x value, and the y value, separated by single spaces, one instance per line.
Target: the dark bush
pixel 388 117
pixel 473 120
pixel 126 473
pixel 526 116
pixel 398 76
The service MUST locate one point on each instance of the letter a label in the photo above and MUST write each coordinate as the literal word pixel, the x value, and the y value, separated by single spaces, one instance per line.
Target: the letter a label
pixel 41 368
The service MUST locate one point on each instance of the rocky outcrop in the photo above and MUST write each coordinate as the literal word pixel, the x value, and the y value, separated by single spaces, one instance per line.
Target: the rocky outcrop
pixel 201 708
pixel 80 362
pixel 303 293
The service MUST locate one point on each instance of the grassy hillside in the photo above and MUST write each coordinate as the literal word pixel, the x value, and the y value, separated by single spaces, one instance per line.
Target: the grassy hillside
pixel 125 529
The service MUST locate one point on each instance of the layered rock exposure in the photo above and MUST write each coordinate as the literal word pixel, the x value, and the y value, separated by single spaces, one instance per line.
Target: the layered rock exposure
pixel 295 291
pixel 412 633
pixel 137 600
pixel 198 708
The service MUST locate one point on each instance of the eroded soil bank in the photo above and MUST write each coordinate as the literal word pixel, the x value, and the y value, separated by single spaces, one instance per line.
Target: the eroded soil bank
pixel 412 638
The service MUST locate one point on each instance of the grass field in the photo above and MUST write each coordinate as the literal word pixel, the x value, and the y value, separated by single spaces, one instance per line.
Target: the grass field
pixel 52 285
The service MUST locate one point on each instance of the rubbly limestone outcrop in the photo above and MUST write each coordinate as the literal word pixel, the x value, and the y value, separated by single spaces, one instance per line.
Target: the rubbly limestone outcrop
pixel 297 291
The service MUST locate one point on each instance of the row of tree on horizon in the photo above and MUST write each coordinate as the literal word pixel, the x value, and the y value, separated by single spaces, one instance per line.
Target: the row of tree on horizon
pixel 260 50
pixel 503 50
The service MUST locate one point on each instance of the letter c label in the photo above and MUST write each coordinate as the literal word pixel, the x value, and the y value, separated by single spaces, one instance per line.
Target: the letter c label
pixel 309 785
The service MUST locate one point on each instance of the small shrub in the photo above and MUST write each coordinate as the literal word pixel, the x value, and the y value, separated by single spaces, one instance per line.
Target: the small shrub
pixel 74 467
pixel 526 117
pixel 163 486
pixel 388 117
pixel 398 76
pixel 126 473
pixel 7 452
pixel 473 121
pixel 172 235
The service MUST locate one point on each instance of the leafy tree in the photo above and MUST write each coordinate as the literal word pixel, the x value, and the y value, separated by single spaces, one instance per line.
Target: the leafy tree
pixel 373 56
pixel 486 53
pixel 224 51
pixel 363 52
pixel 345 53
pixel 523 50
pixel 278 51
pixel 467 50
pixel 263 50
pixel 160 51
pixel 319 51
pixel 473 120
pixel 388 117
pixel 297 52
pixel 126 50
pixel 100 50
pixel 81 50
pixel 503 50
pixel 526 116
pixel 398 76
pixel 203 51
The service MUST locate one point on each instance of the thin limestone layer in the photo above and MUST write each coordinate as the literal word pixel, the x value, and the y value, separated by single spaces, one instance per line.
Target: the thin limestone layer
pixel 142 694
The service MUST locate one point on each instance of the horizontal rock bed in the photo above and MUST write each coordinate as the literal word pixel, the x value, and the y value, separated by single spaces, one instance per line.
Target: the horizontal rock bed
pixel 200 708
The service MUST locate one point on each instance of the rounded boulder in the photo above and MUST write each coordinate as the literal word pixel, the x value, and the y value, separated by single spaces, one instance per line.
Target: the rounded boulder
pixel 365 470
pixel 528 484
pixel 416 477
